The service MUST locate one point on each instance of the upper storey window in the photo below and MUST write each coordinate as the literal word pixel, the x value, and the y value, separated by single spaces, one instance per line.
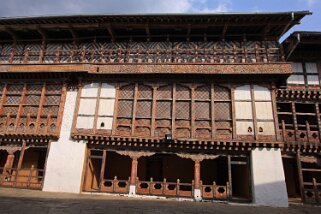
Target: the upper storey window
pixel 304 74
pixel 30 108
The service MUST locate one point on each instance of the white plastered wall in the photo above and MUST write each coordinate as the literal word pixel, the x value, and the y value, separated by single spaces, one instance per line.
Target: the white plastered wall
pixel 268 181
pixel 66 157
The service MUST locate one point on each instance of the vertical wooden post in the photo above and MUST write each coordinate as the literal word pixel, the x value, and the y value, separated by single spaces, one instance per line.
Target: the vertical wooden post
pixel 13 51
pixel 22 152
pixel 75 118
pixel 152 129
pixel 102 170
pixel 295 123
pixel 134 109
pixel 316 191
pixel 229 166
pixel 283 131
pixel 298 161
pixel 113 131
pixel 133 173
pixel 213 112
pixel 197 174
pixel 275 112
pixel 3 100
pixel 193 111
pixel 234 136
pixel 62 105
pixel 173 109
pixel 254 113
pixel 41 103
pixel 88 153
pixel 43 49
pixel 97 107
pixel 9 161
pixel 317 110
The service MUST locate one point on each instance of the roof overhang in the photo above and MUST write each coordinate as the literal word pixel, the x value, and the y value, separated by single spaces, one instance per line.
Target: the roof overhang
pixel 152 26
pixel 303 46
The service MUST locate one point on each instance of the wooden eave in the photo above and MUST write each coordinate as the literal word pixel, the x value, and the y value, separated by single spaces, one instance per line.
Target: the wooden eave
pixel 253 25
pixel 16 138
pixel 303 46
pixel 142 143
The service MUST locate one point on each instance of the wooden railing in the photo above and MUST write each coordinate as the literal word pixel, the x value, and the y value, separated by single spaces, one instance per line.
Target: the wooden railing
pixel 29 178
pixel 142 52
pixel 292 135
pixel 312 193
pixel 215 192
pixel 164 188
pixel 114 185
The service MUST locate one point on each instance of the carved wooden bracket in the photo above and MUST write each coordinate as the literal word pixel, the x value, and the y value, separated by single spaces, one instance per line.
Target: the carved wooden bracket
pixel 135 155
pixel 10 149
pixel 195 157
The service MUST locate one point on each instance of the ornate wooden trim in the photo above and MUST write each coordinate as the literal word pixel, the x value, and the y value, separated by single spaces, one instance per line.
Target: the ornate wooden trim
pixel 156 144
pixel 298 94
pixel 114 68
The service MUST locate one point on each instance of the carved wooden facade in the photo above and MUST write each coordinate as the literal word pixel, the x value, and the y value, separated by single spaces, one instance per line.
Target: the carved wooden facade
pixel 144 93
pixel 31 108
pixel 184 110
pixel 141 52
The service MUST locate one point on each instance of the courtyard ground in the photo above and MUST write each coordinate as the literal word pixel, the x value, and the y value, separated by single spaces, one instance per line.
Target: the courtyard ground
pixel 30 201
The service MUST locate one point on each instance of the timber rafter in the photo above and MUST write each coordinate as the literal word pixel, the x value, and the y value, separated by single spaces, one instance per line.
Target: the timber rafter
pixel 179 144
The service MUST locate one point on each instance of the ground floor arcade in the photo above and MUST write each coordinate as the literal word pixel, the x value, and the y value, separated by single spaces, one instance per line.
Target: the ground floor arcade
pixel 22 165
pixel 212 177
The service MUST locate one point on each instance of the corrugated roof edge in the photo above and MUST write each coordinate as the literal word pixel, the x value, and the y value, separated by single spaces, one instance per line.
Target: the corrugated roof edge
pixel 304 12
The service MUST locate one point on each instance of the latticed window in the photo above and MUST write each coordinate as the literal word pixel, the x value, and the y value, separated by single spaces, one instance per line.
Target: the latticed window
pixel 203 115
pixel 222 111
pixel 182 111
pixel 29 107
pixel 164 110
pixel 125 109
pixel 156 110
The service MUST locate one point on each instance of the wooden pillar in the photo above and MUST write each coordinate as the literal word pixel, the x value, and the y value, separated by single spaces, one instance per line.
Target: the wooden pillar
pixel 22 152
pixel 229 166
pixel 102 170
pixel 133 174
pixel 197 174
pixel 298 159
pixel 9 161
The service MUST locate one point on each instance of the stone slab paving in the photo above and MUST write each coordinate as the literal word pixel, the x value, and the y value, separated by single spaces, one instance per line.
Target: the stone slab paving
pixel 29 201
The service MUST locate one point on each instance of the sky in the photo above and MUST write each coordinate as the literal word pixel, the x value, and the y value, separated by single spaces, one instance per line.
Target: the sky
pixel 13 8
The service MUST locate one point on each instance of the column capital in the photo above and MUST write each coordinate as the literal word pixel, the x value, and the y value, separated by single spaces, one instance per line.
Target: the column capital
pixel 10 149
pixel 197 157
pixel 135 155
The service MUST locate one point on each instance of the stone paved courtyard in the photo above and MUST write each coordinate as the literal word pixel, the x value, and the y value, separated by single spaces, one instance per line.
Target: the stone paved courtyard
pixel 29 201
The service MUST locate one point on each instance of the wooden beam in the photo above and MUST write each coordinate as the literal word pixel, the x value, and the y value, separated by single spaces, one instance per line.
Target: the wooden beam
pixel 133 126
pixel 188 35
pixel 229 166
pixel 224 31
pixel 111 32
pixel 148 33
pixel 298 160
pixel 11 33
pixel 102 170
pixel 22 152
